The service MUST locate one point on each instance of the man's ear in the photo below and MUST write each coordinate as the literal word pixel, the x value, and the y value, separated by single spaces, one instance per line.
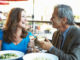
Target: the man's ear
pixel 64 20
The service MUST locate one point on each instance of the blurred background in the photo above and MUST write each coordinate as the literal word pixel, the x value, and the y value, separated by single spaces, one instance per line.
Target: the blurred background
pixel 39 13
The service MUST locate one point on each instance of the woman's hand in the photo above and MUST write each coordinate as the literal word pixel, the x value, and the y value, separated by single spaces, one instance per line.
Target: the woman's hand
pixel 31 43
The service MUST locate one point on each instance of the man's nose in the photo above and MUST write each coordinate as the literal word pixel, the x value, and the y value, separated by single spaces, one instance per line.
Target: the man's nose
pixel 50 19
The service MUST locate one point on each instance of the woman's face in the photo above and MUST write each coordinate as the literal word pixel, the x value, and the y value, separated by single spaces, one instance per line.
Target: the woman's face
pixel 23 21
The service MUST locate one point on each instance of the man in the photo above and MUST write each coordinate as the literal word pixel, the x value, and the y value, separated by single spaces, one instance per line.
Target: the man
pixel 66 40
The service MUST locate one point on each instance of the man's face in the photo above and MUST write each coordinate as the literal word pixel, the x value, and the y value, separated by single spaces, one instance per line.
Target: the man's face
pixel 56 21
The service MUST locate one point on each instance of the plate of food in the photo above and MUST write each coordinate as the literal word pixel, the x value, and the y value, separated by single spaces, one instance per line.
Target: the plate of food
pixel 10 55
pixel 40 56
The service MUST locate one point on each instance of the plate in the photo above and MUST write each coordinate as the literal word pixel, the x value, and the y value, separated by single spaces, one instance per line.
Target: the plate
pixel 17 53
pixel 40 56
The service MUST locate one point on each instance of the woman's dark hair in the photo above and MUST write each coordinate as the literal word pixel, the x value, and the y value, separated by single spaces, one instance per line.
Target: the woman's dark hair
pixel 11 25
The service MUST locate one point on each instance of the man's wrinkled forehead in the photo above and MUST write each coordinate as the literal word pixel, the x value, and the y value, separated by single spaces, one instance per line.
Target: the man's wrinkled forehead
pixel 55 12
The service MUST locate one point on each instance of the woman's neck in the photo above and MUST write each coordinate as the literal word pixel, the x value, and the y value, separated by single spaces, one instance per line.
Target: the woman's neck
pixel 19 32
pixel 18 36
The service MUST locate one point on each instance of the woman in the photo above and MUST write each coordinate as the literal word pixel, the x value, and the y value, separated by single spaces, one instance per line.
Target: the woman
pixel 14 35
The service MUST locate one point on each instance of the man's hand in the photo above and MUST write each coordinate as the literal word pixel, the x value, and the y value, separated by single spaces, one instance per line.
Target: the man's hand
pixel 46 45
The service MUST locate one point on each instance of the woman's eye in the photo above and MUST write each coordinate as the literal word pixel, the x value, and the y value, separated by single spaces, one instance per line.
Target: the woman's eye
pixel 24 16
